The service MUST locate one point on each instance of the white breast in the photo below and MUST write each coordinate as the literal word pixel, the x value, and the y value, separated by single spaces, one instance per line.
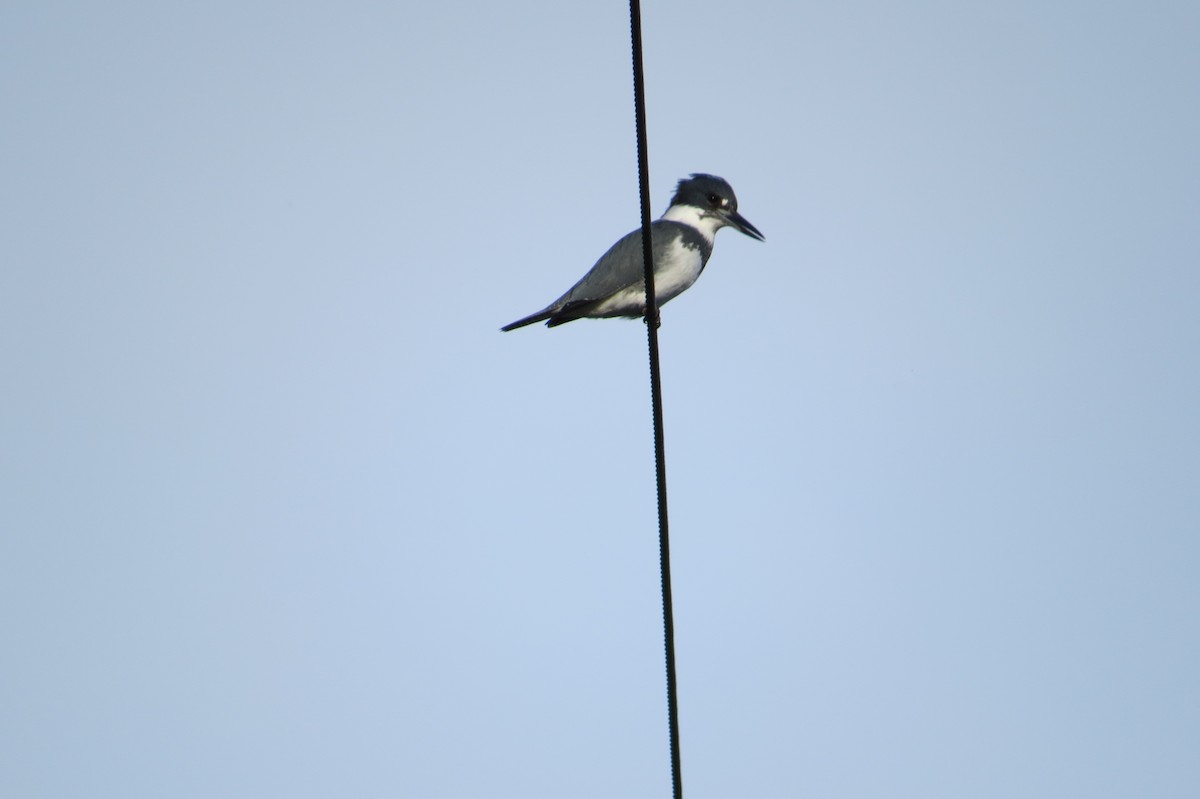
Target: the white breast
pixel 673 273
pixel 677 270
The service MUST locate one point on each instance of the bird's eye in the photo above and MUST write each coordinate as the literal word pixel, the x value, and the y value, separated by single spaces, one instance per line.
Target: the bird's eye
pixel 714 200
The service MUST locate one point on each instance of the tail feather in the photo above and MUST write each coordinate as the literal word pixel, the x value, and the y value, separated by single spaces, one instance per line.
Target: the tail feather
pixel 557 315
pixel 576 309
pixel 545 313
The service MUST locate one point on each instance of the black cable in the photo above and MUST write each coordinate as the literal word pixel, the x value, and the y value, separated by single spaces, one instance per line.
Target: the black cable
pixel 652 323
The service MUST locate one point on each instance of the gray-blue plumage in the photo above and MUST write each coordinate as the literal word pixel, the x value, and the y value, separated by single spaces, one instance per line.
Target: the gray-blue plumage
pixel 682 242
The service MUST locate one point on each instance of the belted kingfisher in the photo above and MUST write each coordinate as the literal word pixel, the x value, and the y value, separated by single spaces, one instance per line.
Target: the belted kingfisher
pixel 682 241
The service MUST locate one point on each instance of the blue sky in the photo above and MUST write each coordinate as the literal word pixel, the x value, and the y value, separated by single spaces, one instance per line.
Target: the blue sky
pixel 285 514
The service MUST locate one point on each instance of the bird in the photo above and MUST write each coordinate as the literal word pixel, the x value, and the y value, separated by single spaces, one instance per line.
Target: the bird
pixel 682 242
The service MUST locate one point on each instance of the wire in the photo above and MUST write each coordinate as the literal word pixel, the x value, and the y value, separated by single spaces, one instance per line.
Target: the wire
pixel 652 323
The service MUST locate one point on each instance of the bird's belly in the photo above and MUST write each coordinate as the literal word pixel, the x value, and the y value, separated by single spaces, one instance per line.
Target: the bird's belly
pixel 626 302
pixel 676 272
pixel 672 275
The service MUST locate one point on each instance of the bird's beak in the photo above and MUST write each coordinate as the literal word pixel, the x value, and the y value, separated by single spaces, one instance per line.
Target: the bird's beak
pixel 741 223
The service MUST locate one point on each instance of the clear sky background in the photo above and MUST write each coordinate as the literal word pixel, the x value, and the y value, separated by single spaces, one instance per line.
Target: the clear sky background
pixel 284 514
